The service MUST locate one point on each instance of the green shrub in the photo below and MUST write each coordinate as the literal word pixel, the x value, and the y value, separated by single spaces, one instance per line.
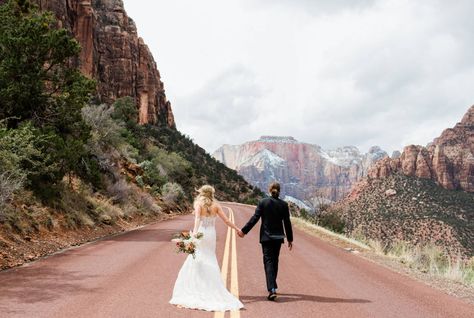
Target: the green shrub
pixel 251 201
pixel 168 164
pixel 306 215
pixel 19 148
pixel 332 220
pixel 23 156
pixel 106 132
pixel 140 182
pixel 125 110
pixel 154 173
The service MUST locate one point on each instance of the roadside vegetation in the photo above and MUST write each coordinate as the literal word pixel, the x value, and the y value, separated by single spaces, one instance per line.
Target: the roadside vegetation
pixel 428 258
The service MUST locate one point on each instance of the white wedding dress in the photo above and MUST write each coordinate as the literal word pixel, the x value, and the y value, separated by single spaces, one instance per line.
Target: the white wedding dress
pixel 199 284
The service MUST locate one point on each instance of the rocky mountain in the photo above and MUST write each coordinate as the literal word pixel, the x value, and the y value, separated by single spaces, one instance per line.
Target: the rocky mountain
pixel 448 160
pixel 410 209
pixel 424 195
pixel 306 171
pixel 114 55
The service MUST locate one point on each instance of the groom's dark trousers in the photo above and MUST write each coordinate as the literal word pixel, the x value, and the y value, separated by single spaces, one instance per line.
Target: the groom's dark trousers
pixel 276 222
pixel 271 253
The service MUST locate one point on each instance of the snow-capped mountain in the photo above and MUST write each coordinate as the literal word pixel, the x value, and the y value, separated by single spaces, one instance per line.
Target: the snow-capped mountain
pixel 299 203
pixel 263 160
pixel 305 171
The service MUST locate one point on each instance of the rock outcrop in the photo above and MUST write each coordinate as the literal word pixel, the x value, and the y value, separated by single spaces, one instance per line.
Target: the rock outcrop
pixel 448 160
pixel 114 55
pixel 306 171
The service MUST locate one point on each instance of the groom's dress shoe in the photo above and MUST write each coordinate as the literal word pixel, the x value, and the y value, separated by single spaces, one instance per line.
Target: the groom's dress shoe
pixel 272 296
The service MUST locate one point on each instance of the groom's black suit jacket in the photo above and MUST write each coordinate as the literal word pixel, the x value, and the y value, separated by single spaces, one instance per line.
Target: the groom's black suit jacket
pixel 275 215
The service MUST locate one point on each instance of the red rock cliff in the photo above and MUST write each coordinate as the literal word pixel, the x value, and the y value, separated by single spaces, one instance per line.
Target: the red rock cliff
pixel 305 171
pixel 114 55
pixel 448 160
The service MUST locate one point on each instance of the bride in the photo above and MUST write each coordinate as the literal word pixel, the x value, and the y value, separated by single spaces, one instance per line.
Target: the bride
pixel 199 284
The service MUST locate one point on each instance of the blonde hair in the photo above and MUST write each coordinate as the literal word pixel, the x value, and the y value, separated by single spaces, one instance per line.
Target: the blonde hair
pixel 205 198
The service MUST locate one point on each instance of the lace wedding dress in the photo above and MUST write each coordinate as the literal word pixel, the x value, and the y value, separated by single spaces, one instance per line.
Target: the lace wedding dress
pixel 199 284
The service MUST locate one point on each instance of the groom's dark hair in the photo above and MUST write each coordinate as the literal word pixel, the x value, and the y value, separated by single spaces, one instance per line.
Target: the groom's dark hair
pixel 274 189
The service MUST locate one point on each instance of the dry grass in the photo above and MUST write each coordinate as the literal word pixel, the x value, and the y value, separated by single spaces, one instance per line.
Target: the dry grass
pixel 433 260
pixel 377 246
pixel 323 232
pixel 429 259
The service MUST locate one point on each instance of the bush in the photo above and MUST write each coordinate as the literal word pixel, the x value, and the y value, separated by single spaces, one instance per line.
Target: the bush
pixel 125 110
pixel 333 221
pixel 23 154
pixel 106 132
pixel 119 191
pixel 251 201
pixel 148 203
pixel 10 182
pixel 154 173
pixel 172 193
pixel 306 215
pixel 167 164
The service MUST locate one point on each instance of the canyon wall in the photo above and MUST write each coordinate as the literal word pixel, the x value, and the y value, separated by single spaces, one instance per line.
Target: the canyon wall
pixel 448 160
pixel 114 55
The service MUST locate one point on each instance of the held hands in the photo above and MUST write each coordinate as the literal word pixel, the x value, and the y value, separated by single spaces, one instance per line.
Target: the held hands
pixel 240 233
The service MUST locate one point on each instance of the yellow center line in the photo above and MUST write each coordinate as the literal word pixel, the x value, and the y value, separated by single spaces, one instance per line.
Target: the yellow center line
pixel 225 263
pixel 234 279
pixel 225 259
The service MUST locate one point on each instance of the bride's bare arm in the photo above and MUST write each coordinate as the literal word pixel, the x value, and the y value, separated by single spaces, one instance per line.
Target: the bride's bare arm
pixel 226 219
pixel 197 218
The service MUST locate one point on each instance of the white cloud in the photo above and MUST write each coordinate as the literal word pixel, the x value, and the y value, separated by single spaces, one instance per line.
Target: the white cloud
pixel 385 72
pixel 221 107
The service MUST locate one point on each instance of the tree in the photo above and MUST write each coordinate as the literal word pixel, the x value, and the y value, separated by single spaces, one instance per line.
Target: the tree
pixel 38 80
pixel 40 83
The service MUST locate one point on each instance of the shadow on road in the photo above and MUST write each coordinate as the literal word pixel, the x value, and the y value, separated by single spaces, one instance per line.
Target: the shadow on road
pixel 145 235
pixel 34 285
pixel 287 298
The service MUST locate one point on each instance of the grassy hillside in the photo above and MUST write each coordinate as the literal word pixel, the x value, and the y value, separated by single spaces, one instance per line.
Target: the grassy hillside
pixel 206 170
pixel 402 208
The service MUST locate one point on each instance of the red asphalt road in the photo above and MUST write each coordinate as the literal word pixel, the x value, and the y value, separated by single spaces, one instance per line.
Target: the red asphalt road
pixel 132 275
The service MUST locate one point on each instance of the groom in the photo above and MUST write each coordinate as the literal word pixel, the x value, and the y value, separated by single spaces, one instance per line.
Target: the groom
pixel 275 215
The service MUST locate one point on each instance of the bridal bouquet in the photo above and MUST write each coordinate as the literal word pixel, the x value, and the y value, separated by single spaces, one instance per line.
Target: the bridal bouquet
pixel 187 243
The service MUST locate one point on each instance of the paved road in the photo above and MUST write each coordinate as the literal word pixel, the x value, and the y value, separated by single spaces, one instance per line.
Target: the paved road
pixel 132 275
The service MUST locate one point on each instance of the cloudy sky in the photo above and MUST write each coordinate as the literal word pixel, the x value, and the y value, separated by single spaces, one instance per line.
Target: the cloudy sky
pixel 329 72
